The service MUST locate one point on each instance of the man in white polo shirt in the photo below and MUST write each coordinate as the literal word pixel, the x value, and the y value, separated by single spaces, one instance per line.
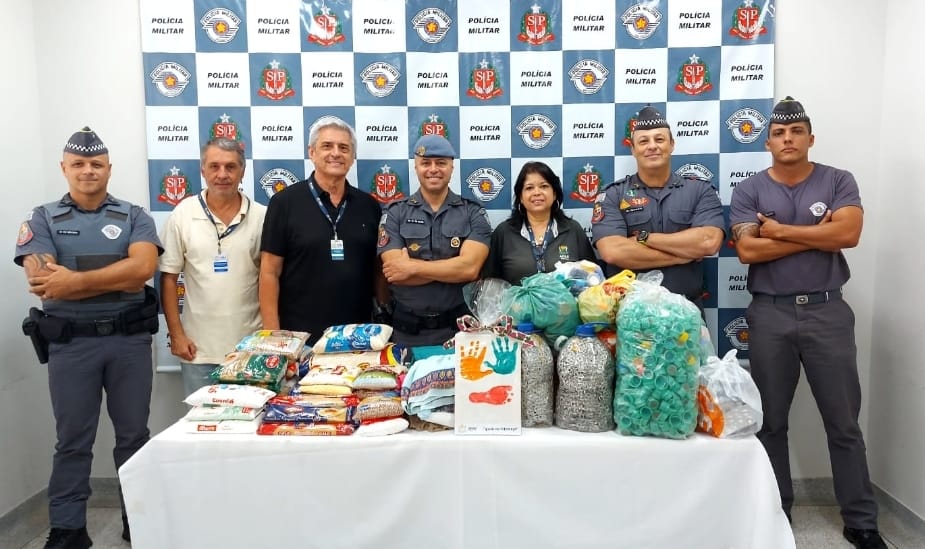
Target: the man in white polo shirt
pixel 214 240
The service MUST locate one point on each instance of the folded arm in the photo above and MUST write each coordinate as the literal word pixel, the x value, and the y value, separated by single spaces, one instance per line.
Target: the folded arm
pixel 403 270
pixel 693 243
pixel 126 275
pixel 630 254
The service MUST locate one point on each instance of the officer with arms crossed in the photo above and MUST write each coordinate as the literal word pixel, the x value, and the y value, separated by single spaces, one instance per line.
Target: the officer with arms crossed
pixel 431 244
pixel 87 256
pixel 790 223
pixel 214 240
pixel 656 219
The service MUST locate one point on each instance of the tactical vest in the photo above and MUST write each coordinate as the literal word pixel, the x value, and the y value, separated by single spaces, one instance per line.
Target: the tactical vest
pixel 90 240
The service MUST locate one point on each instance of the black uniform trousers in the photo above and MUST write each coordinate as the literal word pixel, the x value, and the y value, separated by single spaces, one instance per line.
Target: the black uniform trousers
pixel 784 334
pixel 78 373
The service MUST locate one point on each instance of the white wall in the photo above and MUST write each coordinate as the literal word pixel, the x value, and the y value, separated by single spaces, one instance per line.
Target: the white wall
pixel 67 64
pixel 830 55
pixel 26 427
pixel 896 397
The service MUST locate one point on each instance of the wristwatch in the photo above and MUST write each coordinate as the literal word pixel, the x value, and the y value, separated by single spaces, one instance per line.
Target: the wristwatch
pixel 642 237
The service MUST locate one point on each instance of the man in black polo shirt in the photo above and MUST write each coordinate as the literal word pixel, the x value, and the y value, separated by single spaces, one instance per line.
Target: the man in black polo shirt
pixel 318 264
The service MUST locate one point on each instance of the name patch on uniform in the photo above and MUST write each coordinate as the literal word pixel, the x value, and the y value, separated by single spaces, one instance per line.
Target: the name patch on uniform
pixel 111 232
pixel 635 209
pixel 68 231
pixel 415 221
pixel 25 234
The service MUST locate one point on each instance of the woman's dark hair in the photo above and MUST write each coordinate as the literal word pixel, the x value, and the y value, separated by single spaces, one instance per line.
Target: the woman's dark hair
pixel 518 213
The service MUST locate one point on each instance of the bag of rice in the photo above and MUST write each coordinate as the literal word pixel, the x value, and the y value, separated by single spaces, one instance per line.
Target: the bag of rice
pixel 221 413
pixel 230 395
pixel 326 375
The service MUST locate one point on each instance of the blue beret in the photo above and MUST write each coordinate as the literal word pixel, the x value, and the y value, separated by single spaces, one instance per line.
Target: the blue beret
pixel 434 146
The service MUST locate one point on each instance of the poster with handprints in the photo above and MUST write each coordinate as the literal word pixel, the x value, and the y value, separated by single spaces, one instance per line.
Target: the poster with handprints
pixel 487 384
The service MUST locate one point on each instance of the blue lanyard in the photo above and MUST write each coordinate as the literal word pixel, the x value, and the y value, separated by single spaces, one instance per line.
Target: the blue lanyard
pixel 228 230
pixel 324 210
pixel 539 251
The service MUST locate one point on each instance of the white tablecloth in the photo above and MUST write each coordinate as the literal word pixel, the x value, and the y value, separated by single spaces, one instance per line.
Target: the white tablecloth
pixel 546 489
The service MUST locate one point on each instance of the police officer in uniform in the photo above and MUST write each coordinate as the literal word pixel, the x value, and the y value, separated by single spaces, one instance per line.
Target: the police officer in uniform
pixel 431 244
pixel 655 219
pixel 88 256
pixel 791 223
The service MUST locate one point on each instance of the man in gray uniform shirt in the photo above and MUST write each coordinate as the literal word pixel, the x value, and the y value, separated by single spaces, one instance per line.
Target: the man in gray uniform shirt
pixel 88 256
pixel 656 219
pixel 431 244
pixel 790 223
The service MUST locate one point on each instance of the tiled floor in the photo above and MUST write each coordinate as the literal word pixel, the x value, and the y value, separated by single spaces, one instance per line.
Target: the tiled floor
pixel 813 527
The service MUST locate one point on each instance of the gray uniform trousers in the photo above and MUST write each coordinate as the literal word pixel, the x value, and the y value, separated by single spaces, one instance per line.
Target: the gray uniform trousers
pixel 821 336
pixel 78 372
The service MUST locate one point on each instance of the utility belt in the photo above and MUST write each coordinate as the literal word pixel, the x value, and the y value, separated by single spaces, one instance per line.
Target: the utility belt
pixel 410 322
pixel 43 329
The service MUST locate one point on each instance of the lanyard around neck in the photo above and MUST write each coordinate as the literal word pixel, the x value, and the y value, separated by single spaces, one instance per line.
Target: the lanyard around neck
pixel 229 229
pixel 324 209
pixel 539 250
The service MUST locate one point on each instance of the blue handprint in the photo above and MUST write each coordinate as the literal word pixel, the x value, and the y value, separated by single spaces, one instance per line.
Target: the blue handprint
pixel 505 350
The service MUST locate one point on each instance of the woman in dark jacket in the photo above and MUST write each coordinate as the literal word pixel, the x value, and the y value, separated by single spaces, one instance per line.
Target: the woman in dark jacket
pixel 538 233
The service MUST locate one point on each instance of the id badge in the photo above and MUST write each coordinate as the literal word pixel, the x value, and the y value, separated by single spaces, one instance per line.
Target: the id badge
pixel 220 264
pixel 337 250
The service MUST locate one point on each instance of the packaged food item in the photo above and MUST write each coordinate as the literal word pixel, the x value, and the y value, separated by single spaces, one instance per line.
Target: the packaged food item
pixel 222 413
pixel 306 429
pixel 382 427
pixel 276 342
pixel 354 337
pixel 227 427
pixel 230 395
pixel 382 405
pixel 331 375
pixel 251 367
pixel 379 378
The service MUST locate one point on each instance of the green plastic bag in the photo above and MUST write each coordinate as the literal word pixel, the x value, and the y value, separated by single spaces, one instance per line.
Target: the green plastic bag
pixel 544 301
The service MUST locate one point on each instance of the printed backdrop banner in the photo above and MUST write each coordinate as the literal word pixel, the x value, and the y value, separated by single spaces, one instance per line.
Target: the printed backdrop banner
pixel 506 82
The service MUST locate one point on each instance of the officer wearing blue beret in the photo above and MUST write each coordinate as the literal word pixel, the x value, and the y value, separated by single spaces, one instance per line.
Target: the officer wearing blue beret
pixel 88 256
pixel 431 244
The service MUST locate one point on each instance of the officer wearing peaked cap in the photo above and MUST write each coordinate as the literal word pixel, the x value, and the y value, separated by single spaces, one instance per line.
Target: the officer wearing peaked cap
pixel 656 219
pixel 431 244
pixel 791 223
pixel 87 257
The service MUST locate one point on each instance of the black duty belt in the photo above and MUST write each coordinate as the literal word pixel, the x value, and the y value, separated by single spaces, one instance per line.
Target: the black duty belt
pixel 800 299
pixel 410 321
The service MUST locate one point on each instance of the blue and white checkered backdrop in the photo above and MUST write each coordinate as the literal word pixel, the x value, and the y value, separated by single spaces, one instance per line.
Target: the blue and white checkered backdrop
pixel 505 82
